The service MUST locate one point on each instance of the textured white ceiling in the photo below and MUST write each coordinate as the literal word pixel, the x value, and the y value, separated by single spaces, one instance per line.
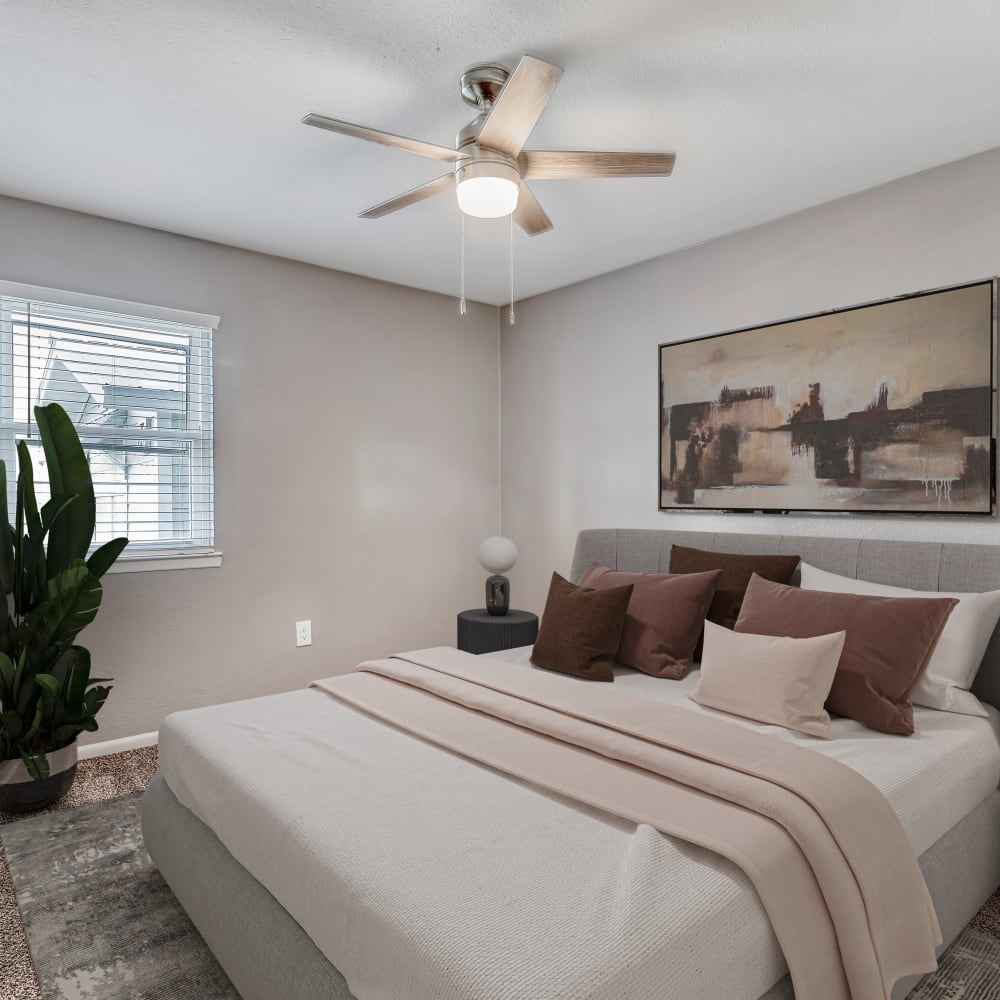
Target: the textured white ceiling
pixel 184 115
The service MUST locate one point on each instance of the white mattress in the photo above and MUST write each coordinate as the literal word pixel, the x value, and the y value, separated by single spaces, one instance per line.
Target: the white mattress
pixel 364 833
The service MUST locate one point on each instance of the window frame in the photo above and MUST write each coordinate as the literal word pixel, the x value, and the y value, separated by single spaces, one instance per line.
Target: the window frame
pixel 143 556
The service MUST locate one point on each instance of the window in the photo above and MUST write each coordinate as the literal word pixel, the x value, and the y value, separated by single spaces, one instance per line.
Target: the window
pixel 139 390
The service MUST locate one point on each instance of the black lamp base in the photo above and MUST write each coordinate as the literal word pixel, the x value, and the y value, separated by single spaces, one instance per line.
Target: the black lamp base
pixel 497 595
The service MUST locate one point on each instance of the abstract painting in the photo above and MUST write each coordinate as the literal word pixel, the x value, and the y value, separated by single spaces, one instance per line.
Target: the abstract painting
pixel 882 408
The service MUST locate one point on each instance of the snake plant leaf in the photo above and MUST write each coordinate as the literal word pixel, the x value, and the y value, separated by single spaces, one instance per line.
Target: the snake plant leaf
pixel 48 682
pixel 11 723
pixel 24 697
pixel 6 678
pixel 25 502
pixel 77 679
pixel 30 559
pixel 37 765
pixel 53 508
pixel 60 669
pixel 36 723
pixel 62 736
pixel 69 475
pixel 50 514
pixel 26 490
pixel 94 699
pixel 89 723
pixel 103 557
pixel 71 602
pixel 42 664
pixel 8 642
pixel 6 539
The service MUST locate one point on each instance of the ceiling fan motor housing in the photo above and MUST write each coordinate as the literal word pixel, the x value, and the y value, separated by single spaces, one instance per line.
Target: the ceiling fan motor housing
pixel 483 162
pixel 481 86
pixel 470 133
pixel 482 83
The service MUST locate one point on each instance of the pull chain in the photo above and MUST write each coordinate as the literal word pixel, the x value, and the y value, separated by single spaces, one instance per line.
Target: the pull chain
pixel 511 220
pixel 461 301
pixel 27 415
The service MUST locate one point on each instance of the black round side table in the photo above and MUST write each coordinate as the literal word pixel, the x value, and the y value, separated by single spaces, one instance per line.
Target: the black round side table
pixel 481 632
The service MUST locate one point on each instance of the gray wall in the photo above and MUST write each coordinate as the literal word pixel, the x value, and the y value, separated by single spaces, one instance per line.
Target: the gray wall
pixel 356 466
pixel 580 435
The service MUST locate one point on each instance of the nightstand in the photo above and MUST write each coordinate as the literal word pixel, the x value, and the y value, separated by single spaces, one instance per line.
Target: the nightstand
pixel 481 632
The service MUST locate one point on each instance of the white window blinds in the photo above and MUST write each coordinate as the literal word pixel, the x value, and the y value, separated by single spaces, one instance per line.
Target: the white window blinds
pixel 139 391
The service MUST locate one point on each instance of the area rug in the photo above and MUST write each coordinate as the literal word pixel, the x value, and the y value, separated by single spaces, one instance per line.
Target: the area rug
pixel 97 779
pixel 968 970
pixel 101 922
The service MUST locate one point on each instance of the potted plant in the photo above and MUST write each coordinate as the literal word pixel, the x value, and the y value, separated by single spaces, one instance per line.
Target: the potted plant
pixel 52 590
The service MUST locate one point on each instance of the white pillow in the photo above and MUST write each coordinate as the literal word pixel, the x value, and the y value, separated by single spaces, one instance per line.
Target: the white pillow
pixel 959 652
pixel 769 678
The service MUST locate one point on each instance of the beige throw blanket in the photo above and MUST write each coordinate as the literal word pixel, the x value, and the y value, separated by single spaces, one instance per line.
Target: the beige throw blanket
pixel 828 857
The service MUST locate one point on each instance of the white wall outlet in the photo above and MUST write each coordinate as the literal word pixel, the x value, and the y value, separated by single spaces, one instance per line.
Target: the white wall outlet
pixel 303 633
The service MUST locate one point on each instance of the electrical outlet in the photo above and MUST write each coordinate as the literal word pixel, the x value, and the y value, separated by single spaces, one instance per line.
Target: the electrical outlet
pixel 303 633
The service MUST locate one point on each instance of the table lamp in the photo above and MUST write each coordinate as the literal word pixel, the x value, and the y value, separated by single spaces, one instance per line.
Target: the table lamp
pixel 497 554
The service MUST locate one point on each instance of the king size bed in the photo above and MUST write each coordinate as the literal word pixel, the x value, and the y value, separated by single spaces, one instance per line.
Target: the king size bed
pixel 323 853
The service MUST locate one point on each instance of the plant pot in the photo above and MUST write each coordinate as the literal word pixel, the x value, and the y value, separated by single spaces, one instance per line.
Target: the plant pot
pixel 19 792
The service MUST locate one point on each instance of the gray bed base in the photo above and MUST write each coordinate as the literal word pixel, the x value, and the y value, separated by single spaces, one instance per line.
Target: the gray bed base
pixel 268 956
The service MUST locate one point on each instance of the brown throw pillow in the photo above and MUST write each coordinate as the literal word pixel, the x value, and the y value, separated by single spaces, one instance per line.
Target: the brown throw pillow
pixel 889 643
pixel 665 616
pixel 580 630
pixel 736 572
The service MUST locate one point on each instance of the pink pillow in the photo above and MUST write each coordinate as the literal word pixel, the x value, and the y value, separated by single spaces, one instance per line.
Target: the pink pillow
pixel 769 678
pixel 889 643
pixel 665 616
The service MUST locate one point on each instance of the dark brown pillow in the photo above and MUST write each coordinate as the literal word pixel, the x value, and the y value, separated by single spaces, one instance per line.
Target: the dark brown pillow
pixel 736 572
pixel 889 643
pixel 665 616
pixel 580 629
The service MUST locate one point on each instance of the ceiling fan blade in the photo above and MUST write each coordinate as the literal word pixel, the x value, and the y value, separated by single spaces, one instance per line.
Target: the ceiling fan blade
pixel 529 215
pixel 519 105
pixel 545 164
pixel 417 146
pixel 411 197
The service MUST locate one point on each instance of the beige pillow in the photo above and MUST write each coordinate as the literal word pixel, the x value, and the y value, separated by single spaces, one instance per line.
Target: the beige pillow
pixel 955 662
pixel 770 678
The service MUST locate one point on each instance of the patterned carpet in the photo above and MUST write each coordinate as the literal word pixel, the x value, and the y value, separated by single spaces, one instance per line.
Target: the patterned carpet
pixel 159 955
pixel 102 923
pixel 969 970
pixel 97 780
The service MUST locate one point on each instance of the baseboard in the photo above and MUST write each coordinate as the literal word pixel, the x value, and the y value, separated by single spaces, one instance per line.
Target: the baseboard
pixel 117 746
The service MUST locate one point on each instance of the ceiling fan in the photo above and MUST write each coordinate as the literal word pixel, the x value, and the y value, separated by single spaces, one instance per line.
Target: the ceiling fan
pixel 490 162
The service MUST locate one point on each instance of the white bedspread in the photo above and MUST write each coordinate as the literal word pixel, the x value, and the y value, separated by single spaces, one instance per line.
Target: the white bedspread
pixel 362 832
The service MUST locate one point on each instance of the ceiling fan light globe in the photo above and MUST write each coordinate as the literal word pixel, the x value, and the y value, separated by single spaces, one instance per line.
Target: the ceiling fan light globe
pixel 487 185
pixel 487 197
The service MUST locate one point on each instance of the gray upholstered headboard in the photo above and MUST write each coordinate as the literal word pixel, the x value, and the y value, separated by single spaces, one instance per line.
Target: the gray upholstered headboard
pixel 920 565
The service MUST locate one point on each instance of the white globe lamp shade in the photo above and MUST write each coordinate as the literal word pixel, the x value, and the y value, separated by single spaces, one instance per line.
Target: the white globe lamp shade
pixel 497 554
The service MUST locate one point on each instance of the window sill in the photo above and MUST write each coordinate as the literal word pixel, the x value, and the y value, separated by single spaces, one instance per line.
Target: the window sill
pixel 171 560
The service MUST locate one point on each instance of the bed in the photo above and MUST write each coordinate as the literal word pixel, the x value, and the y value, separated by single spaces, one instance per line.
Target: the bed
pixel 257 761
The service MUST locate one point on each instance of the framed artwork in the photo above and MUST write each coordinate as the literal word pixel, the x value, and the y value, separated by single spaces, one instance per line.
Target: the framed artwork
pixel 881 408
